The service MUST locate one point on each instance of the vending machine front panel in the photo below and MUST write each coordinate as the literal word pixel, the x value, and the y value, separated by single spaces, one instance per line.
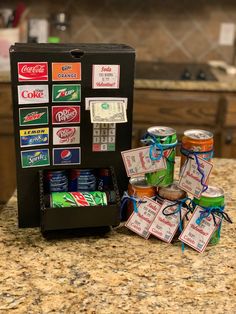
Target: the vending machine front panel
pixel 54 87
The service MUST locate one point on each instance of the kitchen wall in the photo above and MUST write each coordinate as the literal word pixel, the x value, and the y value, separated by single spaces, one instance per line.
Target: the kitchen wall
pixel 160 30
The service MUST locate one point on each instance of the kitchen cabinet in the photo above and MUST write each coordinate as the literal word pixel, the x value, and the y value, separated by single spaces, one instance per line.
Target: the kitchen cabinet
pixel 180 110
pixel 7 155
pixel 228 139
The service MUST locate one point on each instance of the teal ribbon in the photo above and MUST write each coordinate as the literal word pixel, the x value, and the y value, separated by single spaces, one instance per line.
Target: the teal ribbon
pixel 155 146
pixel 180 203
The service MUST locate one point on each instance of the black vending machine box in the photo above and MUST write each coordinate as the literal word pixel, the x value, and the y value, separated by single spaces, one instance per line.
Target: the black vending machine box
pixel 72 107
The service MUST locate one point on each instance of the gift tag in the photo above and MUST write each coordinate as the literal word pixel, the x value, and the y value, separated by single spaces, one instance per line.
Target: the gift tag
pixel 190 177
pixel 164 227
pixel 198 236
pixel 141 221
pixel 137 161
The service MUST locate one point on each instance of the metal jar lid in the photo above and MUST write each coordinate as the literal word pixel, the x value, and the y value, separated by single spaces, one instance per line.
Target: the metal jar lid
pixel 161 131
pixel 139 182
pixel 213 192
pixel 197 134
pixel 172 192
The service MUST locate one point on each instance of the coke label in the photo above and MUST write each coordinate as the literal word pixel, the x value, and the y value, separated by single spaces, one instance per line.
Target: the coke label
pixel 32 94
pixel 32 71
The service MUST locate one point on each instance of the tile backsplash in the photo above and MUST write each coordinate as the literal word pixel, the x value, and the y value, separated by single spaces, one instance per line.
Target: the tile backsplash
pixel 160 30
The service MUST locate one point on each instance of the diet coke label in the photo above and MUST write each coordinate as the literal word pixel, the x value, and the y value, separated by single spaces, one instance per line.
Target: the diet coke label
pixel 32 71
pixel 32 94
pixel 65 114
pixel 66 135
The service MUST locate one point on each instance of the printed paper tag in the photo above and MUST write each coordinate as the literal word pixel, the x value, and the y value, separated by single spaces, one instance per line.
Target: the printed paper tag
pixel 32 94
pixel 88 100
pixel 111 111
pixel 198 236
pixel 35 158
pixel 32 71
pixel 34 137
pixel 106 76
pixel 66 135
pixel 65 114
pixel 141 221
pixel 66 71
pixel 66 93
pixel 66 156
pixel 164 227
pixel 190 177
pixel 33 116
pixel 137 161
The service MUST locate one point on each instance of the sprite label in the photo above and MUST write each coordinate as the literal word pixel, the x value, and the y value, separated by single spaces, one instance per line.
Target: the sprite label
pixel 66 93
pixel 77 199
pixel 35 158
pixel 33 116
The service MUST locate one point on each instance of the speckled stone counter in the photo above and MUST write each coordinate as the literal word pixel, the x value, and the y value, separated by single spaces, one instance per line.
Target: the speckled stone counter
pixel 119 272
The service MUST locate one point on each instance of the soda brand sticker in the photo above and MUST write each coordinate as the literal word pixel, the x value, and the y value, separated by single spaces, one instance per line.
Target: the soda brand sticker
pixel 35 158
pixel 65 114
pixel 32 94
pixel 106 76
pixel 66 71
pixel 33 116
pixel 32 71
pixel 34 137
pixel 66 156
pixel 66 135
pixel 66 93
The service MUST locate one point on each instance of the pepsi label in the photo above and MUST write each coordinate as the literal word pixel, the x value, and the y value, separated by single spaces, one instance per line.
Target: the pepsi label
pixel 66 156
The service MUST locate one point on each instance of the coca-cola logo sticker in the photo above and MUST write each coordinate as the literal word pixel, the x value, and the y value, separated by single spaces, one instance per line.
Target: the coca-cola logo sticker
pixel 32 71
pixel 65 114
pixel 66 135
pixel 32 94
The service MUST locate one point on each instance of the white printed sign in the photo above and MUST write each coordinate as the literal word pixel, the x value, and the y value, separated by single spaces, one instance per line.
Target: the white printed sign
pixel 198 236
pixel 164 227
pixel 141 221
pixel 106 76
pixel 137 161
pixel 66 135
pixel 32 94
pixel 190 177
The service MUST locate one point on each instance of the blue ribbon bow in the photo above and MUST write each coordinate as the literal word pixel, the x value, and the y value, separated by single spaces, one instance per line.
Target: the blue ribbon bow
pixel 181 203
pixel 155 146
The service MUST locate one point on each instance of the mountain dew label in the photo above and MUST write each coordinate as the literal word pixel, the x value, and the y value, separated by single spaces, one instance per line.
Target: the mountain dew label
pixel 35 158
pixel 33 116
pixel 77 199
pixel 66 93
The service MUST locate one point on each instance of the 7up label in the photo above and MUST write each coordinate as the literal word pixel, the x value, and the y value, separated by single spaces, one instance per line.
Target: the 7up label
pixel 35 158
pixel 66 93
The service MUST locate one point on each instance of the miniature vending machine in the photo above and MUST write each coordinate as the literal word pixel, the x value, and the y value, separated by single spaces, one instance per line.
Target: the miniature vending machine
pixel 72 106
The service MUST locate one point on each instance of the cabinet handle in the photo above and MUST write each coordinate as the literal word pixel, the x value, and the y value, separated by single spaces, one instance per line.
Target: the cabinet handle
pixel 228 138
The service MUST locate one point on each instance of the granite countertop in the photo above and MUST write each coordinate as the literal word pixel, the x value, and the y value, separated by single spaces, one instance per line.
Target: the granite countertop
pixel 119 272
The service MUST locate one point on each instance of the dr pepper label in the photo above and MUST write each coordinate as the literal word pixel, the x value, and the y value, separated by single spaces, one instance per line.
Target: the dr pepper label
pixel 33 116
pixel 32 71
pixel 66 93
pixel 66 71
pixel 65 114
